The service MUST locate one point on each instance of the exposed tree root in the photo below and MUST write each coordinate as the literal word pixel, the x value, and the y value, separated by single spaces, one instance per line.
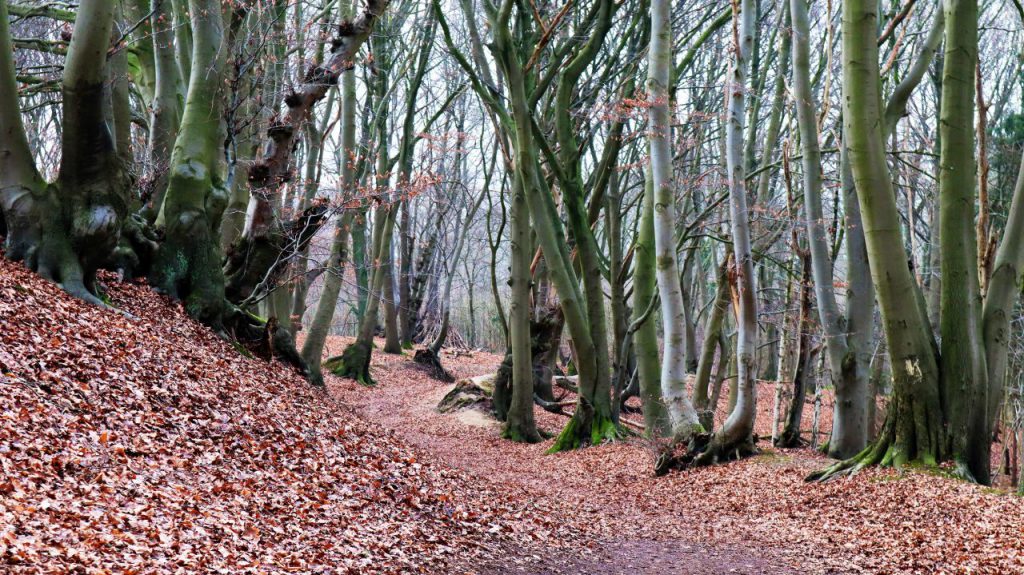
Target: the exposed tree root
pixel 431 363
pixel 266 340
pixel 552 406
pixel 885 451
pixel 700 450
pixel 679 454
pixel 353 363
pixel 720 452
pixel 790 438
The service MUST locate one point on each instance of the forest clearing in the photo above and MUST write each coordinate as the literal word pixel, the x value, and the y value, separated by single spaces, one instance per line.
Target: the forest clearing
pixel 511 286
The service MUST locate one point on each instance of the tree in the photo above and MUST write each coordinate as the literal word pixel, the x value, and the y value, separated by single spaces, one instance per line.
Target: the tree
pixel 847 338
pixel 673 370
pixel 735 436
pixel 935 414
pixel 67 229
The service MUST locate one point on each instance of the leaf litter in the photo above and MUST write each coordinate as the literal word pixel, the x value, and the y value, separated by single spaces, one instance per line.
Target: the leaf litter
pixel 144 443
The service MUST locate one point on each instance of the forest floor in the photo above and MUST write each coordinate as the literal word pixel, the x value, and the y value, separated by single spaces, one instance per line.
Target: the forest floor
pixel 137 441
pixel 753 516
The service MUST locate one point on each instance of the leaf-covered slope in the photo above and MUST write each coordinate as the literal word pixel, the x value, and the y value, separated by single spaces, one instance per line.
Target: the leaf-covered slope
pixel 148 444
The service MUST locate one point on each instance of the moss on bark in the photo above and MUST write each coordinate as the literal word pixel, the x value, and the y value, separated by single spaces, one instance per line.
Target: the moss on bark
pixel 353 363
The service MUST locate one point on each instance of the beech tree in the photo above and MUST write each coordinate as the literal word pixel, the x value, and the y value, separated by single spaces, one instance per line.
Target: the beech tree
pixel 935 414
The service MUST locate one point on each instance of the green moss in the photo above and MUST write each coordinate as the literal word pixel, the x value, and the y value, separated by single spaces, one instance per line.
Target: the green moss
pixel 353 363
pixel 567 439
pixel 573 436
pixel 513 433
pixel 240 349
pixel 603 429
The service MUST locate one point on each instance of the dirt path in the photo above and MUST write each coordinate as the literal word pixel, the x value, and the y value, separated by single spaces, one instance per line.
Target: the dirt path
pixel 601 489
pixel 609 515
pixel 638 556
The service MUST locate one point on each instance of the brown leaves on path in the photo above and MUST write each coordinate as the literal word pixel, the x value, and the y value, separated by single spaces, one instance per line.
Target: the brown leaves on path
pixel 146 444
pixel 753 516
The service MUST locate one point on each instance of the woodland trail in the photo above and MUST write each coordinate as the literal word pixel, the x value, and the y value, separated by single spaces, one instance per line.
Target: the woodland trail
pixel 622 529
pixel 148 444
pixel 754 516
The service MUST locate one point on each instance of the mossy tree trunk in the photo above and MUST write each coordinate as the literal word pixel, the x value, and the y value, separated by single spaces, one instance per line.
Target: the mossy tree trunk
pixel 354 362
pixel 519 421
pixel 594 410
pixel 188 264
pixel 914 425
pixel 963 372
pixel 645 338
pixel 68 229
pixel 316 337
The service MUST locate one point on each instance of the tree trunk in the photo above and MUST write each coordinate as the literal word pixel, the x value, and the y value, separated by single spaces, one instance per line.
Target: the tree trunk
pixel 645 338
pixel 964 387
pixel 849 373
pixel 712 334
pixel 519 423
pixel 165 112
pixel 735 437
pixel 316 337
pixel 67 229
pixel 913 427
pixel 682 414
pixel 790 436
pixel 256 262
pixel 188 265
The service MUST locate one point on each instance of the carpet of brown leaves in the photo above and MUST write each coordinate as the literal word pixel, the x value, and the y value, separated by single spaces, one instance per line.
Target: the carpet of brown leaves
pixel 751 516
pixel 143 443
pixel 146 444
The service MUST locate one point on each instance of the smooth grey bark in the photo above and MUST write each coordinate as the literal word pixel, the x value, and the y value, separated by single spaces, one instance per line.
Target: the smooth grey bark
pixel 682 414
pixel 735 435
pixel 165 113
pixel 846 336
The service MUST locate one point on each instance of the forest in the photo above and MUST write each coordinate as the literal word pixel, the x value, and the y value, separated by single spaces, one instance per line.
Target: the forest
pixel 500 286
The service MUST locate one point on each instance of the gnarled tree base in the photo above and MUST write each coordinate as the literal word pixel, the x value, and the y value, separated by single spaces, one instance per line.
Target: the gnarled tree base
pixel 431 363
pixel 790 438
pixel 703 449
pixel 58 238
pixel 520 434
pixel 353 363
pixel 188 267
pixel 266 340
pixel 580 433
pixel 888 450
pixel 905 440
